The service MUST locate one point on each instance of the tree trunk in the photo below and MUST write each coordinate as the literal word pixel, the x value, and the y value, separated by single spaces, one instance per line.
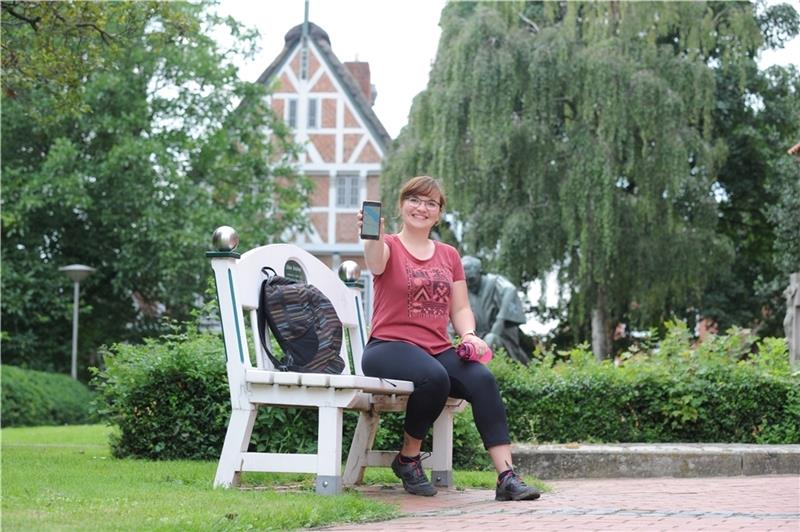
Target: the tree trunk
pixel 601 332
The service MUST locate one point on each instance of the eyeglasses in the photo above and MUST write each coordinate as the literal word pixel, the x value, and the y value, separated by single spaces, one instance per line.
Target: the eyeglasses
pixel 429 204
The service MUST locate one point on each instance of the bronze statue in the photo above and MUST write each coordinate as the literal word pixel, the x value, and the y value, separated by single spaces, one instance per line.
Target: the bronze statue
pixel 791 322
pixel 497 308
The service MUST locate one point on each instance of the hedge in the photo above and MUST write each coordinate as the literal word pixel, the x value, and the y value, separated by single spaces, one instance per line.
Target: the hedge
pixel 31 398
pixel 718 392
pixel 170 399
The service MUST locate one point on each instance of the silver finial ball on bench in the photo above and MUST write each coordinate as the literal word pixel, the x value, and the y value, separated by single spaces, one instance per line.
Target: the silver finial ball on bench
pixel 349 271
pixel 225 238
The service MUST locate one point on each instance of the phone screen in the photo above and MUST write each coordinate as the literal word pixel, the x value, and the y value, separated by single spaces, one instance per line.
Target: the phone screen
pixel 370 229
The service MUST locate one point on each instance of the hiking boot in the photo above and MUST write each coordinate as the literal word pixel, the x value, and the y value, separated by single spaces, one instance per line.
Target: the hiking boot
pixel 512 488
pixel 414 480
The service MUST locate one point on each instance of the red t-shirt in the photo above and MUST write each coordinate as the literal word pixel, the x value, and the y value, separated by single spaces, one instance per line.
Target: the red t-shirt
pixel 412 296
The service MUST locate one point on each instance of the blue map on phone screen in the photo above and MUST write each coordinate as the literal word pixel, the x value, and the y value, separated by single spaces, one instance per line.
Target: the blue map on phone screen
pixel 371 221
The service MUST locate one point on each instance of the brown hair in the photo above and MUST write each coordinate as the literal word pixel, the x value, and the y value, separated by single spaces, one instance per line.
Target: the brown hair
pixel 422 185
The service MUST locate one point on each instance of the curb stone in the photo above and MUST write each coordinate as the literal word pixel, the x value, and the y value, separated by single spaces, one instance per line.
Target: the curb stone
pixel 632 460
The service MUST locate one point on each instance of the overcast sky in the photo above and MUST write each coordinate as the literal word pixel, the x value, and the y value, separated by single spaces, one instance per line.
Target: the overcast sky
pixel 398 38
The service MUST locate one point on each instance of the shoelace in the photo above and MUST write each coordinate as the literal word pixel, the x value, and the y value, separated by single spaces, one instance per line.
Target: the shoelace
pixel 417 470
pixel 512 474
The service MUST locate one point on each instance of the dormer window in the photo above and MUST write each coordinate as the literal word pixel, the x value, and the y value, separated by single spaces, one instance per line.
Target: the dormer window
pixel 291 113
pixel 313 113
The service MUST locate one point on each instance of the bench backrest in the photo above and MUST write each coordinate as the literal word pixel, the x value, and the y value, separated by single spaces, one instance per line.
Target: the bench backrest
pixel 238 283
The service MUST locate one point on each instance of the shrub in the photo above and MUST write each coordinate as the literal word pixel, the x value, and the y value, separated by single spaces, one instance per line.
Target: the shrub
pixel 32 398
pixel 170 399
pixel 727 389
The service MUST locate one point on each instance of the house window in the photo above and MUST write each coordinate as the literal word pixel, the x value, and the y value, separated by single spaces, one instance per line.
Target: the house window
pixel 347 191
pixel 291 113
pixel 313 108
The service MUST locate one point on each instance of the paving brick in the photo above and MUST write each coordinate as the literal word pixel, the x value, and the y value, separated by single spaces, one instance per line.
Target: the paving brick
pixel 715 503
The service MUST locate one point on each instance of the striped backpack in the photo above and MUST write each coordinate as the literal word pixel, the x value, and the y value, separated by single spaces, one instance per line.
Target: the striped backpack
pixel 303 322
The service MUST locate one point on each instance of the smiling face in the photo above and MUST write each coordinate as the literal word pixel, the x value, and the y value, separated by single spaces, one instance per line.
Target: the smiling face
pixel 420 211
pixel 421 203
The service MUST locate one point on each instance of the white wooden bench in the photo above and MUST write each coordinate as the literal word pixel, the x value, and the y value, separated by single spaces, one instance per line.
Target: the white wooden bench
pixel 255 384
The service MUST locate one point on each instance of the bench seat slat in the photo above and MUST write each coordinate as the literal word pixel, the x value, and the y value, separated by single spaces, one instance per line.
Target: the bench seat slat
pixel 314 379
pixel 286 377
pixel 357 382
pixel 372 384
pixel 259 376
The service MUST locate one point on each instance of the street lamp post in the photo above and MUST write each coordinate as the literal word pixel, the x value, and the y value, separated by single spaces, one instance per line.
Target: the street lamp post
pixel 76 272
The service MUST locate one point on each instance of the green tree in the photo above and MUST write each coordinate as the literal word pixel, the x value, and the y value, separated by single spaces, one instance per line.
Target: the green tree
pixel 758 185
pixel 581 136
pixel 135 185
pixel 785 186
pixel 53 47
pixel 783 97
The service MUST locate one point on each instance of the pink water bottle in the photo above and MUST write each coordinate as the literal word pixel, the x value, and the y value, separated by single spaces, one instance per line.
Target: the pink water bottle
pixel 466 351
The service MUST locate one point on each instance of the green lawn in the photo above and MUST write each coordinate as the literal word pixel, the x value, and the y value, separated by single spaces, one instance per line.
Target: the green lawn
pixel 57 478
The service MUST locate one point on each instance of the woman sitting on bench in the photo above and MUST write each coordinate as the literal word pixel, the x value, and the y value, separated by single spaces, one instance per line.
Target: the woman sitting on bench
pixel 419 287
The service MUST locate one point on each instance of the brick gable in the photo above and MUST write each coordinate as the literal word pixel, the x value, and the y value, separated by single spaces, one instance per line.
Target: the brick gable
pixel 323 84
pixel 350 143
pixel 328 112
pixel 326 146
pixel 349 119
pixel 369 154
pixel 285 84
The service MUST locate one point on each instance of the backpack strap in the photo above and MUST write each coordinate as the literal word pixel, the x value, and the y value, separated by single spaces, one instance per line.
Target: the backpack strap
pixel 262 318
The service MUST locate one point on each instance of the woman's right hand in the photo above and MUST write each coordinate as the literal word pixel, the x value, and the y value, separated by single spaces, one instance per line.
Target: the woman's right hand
pixel 376 252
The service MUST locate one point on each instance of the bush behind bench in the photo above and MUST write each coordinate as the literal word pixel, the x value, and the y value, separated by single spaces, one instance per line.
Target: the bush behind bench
pixel 31 398
pixel 170 399
pixel 724 404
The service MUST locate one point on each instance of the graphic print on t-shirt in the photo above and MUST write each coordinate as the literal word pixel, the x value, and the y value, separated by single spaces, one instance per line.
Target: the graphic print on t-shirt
pixel 428 292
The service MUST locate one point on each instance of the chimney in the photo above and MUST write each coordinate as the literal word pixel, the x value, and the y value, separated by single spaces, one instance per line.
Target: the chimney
pixel 360 71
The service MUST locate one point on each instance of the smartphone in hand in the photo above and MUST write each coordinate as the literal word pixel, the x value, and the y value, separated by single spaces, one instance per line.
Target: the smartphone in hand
pixel 371 221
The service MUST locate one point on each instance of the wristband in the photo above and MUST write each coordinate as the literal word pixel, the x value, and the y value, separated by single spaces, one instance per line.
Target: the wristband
pixel 471 331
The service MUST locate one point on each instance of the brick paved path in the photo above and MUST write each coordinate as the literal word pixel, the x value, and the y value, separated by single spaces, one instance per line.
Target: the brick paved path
pixel 718 503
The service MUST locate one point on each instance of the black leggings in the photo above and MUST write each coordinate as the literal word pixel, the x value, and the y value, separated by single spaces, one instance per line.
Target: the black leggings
pixel 435 378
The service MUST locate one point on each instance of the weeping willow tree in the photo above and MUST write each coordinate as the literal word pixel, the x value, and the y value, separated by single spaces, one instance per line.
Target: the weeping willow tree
pixel 579 137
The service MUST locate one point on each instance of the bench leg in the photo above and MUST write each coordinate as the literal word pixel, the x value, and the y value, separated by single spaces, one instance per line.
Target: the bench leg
pixel 363 440
pixel 329 451
pixel 237 438
pixel 442 459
